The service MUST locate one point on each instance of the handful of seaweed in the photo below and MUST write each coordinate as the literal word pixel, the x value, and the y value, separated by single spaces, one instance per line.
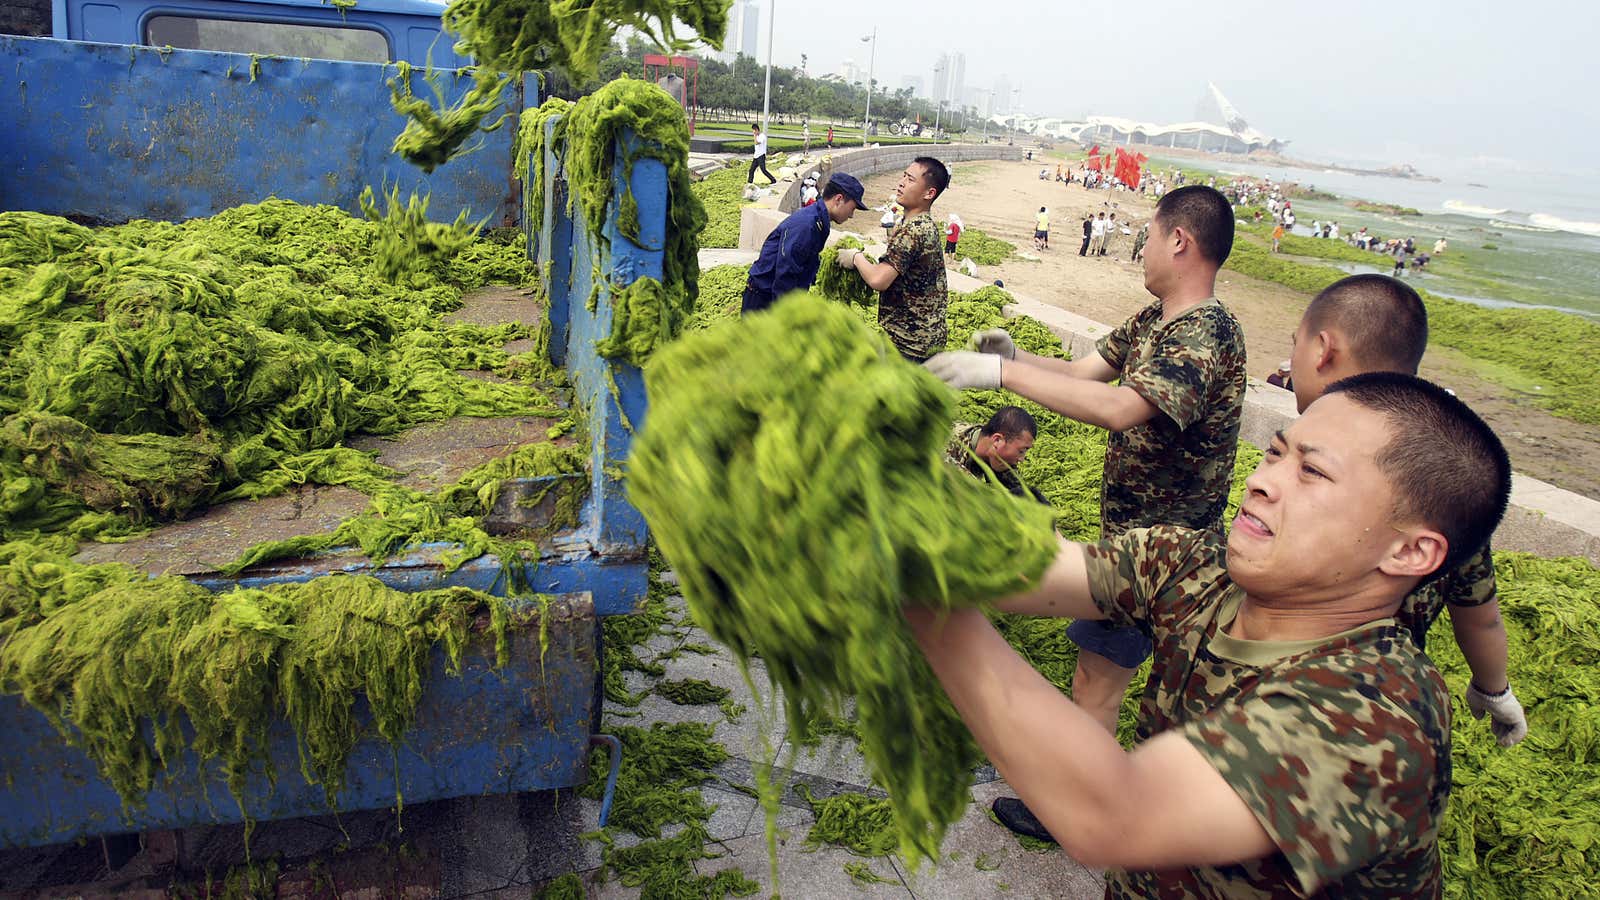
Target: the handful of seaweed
pixel 791 472
pixel 843 285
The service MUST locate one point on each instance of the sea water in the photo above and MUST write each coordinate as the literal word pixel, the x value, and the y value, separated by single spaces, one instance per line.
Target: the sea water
pixel 1543 228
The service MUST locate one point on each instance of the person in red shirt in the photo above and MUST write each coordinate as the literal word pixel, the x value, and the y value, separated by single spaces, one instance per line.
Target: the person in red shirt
pixel 952 235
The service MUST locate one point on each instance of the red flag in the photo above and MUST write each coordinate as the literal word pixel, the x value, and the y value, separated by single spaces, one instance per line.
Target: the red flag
pixel 1094 163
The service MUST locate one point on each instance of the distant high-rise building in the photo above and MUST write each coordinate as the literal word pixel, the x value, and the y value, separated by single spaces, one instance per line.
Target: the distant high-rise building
pixel 1002 97
pixel 744 30
pixel 850 73
pixel 958 79
pixel 941 79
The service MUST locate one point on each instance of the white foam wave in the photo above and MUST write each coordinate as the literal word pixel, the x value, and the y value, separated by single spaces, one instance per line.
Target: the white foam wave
pixel 1544 220
pixel 1517 226
pixel 1468 209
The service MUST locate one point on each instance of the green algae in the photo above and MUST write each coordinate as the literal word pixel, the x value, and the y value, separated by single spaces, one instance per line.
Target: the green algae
pixel 567 887
pixel 120 663
pixel 691 691
pixel 722 194
pixel 208 358
pixel 844 285
pixel 865 825
pixel 596 143
pixel 607 134
pixel 984 249
pixel 400 517
pixel 860 873
pixel 721 297
pixel 406 239
pixel 746 418
pixel 434 136
pixel 531 35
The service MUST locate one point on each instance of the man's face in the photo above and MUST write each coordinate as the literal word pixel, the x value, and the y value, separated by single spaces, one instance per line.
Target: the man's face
pixel 1308 382
pixel 913 189
pixel 1007 452
pixel 840 209
pixel 1157 258
pixel 1317 512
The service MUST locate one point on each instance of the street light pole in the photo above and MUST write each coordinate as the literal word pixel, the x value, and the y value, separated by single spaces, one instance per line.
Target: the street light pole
pixel 766 96
pixel 872 62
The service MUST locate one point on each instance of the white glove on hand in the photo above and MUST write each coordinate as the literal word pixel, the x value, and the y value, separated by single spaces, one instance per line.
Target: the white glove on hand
pixel 964 369
pixel 995 341
pixel 846 258
pixel 1506 718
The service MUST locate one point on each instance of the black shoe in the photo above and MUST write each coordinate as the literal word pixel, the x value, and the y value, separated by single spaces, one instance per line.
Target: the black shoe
pixel 1015 815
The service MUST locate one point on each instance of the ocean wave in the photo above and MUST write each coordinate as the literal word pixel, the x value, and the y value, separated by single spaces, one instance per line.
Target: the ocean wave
pixel 1555 223
pixel 1468 209
pixel 1520 226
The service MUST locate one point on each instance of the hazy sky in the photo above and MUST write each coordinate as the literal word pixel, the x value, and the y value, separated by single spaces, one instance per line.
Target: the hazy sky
pixel 1432 83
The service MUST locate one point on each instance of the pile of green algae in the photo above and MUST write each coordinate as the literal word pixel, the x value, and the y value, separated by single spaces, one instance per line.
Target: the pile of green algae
pixel 153 368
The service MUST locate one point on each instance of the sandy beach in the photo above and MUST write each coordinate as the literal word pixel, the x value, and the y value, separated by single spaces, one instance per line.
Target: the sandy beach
pixel 1001 198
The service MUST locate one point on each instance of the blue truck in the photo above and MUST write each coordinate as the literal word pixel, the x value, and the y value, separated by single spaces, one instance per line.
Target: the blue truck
pixel 148 108
pixel 171 109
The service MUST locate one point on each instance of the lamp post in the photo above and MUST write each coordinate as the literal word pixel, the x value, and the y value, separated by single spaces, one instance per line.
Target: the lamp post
pixel 939 100
pixel 766 96
pixel 872 62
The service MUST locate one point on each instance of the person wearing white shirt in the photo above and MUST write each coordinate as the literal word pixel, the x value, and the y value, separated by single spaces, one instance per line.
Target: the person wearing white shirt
pixel 758 156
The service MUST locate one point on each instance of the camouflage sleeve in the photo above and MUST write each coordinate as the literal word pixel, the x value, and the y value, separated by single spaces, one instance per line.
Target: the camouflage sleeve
pixel 1113 348
pixel 1177 377
pixel 1337 771
pixel 1472 583
pixel 903 249
pixel 1145 577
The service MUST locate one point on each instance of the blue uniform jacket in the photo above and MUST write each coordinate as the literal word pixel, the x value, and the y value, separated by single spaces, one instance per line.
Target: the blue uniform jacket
pixel 789 258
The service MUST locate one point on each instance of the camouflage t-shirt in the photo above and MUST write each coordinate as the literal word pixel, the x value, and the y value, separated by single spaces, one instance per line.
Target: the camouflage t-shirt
pixel 912 309
pixel 1340 746
pixel 960 453
pixel 1471 584
pixel 1175 469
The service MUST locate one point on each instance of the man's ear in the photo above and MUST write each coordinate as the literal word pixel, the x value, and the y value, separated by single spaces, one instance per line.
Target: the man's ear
pixel 1325 347
pixel 1419 553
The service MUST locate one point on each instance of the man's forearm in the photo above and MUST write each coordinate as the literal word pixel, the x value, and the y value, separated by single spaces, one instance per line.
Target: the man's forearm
pixel 1481 635
pixel 1056 756
pixel 1114 408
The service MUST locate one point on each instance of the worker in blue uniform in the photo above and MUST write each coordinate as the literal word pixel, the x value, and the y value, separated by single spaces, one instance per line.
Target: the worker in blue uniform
pixel 790 256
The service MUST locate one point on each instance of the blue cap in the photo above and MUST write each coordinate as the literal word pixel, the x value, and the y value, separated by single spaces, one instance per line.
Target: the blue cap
pixel 850 187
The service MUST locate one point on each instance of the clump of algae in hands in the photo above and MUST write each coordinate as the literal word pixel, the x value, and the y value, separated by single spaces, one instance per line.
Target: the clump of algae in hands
pixel 791 473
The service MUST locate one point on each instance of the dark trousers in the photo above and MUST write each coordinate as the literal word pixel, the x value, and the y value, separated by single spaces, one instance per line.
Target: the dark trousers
pixel 761 164
pixel 1084 250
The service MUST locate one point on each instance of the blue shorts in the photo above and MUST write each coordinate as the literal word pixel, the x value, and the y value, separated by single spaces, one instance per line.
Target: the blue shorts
pixel 1127 647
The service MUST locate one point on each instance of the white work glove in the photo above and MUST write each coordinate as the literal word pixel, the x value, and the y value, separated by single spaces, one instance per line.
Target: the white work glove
pixel 1506 718
pixel 995 341
pixel 846 258
pixel 964 369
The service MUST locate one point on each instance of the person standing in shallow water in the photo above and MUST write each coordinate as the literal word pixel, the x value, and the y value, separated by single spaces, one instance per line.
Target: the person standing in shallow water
pixel 910 278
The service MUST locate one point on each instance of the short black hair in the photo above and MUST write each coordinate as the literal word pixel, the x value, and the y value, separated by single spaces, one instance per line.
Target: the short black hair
pixel 1383 317
pixel 756 125
pixel 1205 214
pixel 832 190
pixel 1041 209
pixel 935 172
pixel 1011 421
pixel 1448 468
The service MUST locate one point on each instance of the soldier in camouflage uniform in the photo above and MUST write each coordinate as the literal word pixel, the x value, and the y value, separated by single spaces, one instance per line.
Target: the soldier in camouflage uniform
pixel 910 277
pixel 995 449
pixel 1294 741
pixel 1174 417
pixel 1375 323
